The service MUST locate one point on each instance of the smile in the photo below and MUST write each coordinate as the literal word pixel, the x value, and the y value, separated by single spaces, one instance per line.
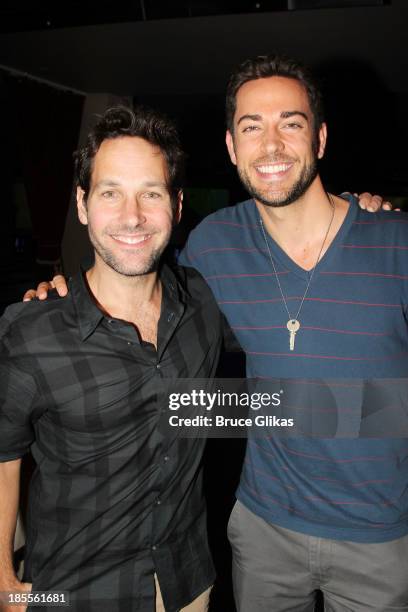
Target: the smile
pixel 273 170
pixel 132 240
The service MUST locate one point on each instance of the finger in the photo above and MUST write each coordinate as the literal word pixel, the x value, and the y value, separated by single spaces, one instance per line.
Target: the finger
pixel 373 203
pixel 29 295
pixel 386 206
pixel 364 199
pixel 42 290
pixel 60 285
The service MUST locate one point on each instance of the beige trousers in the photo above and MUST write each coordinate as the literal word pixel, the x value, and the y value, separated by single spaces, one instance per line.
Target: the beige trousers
pixel 200 604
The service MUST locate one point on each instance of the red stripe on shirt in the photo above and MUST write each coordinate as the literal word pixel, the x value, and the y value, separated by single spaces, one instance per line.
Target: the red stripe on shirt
pixel 335 358
pixel 245 275
pixel 375 274
pixel 309 299
pixel 325 329
pixel 232 224
pixel 374 246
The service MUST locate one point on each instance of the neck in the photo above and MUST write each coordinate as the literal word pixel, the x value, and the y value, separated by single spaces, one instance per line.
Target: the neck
pixel 305 216
pixel 301 227
pixel 122 296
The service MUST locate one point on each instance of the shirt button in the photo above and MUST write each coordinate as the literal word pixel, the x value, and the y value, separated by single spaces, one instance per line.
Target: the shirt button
pixel 158 502
pixel 154 547
pixel 158 366
pixel 166 458
pixel 170 317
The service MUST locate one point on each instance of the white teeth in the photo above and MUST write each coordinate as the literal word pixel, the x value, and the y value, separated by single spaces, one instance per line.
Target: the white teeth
pixel 131 239
pixel 273 169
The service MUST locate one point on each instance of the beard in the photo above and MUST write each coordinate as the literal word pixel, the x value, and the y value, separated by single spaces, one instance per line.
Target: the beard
pixel 283 198
pixel 123 264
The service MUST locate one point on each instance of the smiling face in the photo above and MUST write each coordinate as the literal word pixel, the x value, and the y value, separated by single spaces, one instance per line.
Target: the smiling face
pixel 274 141
pixel 128 211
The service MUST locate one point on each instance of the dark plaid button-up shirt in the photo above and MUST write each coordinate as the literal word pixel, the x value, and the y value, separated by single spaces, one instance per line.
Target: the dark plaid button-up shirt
pixel 112 500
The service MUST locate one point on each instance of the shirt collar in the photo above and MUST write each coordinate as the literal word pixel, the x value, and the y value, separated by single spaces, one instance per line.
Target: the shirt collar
pixel 90 316
pixel 88 313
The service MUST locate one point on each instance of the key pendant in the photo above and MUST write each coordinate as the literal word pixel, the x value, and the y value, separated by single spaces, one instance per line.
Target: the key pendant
pixel 293 326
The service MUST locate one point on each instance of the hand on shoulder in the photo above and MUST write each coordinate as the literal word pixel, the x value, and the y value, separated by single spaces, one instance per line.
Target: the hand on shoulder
pixel 58 282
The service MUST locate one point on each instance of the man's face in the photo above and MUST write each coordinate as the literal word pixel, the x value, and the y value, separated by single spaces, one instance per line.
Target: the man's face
pixel 273 141
pixel 128 210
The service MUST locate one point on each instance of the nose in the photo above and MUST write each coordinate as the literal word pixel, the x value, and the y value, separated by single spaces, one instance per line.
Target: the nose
pixel 272 140
pixel 133 212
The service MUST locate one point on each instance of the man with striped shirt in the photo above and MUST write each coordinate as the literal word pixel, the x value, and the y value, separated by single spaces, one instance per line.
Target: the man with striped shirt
pixel 313 287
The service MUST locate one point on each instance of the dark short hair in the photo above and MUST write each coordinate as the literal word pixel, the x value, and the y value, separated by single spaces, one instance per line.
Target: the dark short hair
pixel 264 66
pixel 142 122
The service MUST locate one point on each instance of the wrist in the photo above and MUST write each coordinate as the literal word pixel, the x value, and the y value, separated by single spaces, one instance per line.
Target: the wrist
pixel 10 582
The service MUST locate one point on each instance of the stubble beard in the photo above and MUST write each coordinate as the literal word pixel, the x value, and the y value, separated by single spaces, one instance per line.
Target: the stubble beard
pixel 283 198
pixel 126 268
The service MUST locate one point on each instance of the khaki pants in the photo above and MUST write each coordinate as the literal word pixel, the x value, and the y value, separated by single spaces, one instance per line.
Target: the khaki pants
pixel 200 604
pixel 278 570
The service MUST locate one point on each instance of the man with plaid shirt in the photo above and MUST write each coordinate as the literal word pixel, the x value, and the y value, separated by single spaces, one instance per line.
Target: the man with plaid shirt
pixel 117 516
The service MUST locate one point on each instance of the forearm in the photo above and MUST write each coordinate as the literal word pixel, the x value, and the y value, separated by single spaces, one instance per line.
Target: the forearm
pixel 9 499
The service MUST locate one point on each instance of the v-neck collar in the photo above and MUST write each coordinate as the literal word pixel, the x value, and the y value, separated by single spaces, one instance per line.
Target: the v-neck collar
pixel 282 258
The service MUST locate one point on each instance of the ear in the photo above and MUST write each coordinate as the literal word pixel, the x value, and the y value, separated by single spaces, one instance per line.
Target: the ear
pixel 230 146
pixel 179 207
pixel 322 140
pixel 81 206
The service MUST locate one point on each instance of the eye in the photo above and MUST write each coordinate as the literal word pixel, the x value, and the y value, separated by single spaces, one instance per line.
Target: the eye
pixel 293 125
pixel 251 128
pixel 109 195
pixel 152 195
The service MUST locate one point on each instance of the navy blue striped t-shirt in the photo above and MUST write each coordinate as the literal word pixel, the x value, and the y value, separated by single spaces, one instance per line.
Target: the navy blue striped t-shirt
pixel 354 325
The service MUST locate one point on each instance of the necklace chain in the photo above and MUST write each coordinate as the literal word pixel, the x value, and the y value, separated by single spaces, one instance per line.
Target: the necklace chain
pixel 311 271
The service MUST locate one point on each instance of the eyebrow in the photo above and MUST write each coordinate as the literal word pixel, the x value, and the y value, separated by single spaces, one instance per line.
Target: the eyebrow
pixel 155 184
pixel 106 183
pixel 287 114
pixel 112 183
pixel 251 117
pixel 283 115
